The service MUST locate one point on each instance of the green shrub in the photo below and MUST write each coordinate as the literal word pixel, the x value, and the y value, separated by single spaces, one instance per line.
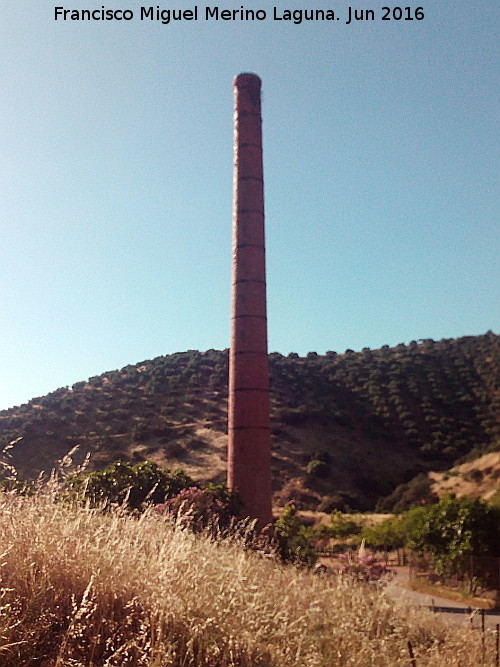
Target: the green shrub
pixel 131 484
pixel 342 525
pixel 317 468
pixel 474 475
pixel 292 538
pixel 390 534
pixel 319 465
pixel 447 531
pixel 140 430
pixel 330 503
pixel 454 528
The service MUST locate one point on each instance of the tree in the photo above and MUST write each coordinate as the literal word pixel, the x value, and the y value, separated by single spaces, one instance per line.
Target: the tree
pixel 342 526
pixel 395 532
pixel 133 485
pixel 292 539
pixel 454 528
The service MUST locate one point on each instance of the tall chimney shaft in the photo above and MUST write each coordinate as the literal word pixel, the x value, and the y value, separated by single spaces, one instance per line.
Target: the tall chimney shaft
pixel 249 448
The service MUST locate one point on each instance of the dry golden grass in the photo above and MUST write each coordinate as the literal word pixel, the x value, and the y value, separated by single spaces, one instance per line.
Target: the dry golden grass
pixel 479 478
pixel 84 588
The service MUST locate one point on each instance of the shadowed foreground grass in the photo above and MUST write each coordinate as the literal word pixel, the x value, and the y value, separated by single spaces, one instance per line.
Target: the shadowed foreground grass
pixel 84 588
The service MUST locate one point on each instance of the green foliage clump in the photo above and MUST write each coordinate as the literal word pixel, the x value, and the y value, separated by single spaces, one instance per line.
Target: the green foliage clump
pixel 393 533
pixel 319 465
pixel 480 450
pixel 342 525
pixel 495 499
pixel 454 528
pixel 447 531
pixel 292 538
pixel 317 468
pixel 343 501
pixel 140 430
pixel 131 484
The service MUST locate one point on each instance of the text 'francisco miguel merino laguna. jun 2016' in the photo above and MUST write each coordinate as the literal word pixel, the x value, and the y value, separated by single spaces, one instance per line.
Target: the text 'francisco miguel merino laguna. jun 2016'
pixel 166 16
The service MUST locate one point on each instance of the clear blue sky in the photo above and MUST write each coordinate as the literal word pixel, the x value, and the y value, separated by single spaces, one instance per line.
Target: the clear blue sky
pixel 381 176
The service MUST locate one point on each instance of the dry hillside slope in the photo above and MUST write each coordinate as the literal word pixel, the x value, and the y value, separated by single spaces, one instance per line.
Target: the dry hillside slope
pixel 347 428
pixel 479 478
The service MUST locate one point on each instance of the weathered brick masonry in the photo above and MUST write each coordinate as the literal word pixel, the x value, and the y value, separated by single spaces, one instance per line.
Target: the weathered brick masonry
pixel 249 449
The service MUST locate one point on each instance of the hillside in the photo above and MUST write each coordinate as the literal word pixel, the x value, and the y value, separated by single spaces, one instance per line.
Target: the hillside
pixel 347 428
pixel 479 478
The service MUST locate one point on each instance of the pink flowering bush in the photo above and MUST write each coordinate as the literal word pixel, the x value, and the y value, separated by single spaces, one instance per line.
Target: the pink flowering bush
pixel 212 507
pixel 363 566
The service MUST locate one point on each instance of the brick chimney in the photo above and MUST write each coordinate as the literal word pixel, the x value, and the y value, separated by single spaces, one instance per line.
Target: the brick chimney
pixel 249 448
